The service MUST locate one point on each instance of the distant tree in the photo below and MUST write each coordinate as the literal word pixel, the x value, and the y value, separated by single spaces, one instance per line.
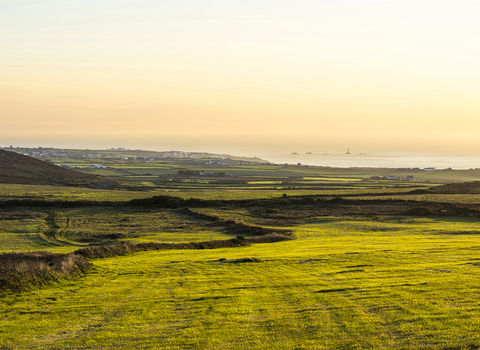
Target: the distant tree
pixel 188 173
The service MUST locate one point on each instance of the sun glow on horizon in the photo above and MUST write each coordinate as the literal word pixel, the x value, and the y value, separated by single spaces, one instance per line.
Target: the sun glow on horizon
pixel 238 75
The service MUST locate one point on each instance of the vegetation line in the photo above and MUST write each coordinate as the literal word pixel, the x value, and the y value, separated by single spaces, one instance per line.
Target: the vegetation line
pixel 236 228
pixel 126 247
pixel 173 202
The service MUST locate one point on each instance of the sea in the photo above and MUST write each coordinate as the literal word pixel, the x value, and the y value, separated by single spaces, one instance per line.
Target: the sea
pixel 379 160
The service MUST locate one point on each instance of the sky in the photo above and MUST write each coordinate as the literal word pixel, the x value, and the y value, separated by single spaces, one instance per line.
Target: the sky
pixel 241 77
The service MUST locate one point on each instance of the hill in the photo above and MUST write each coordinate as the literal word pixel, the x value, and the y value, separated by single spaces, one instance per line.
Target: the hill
pixel 17 168
pixel 459 188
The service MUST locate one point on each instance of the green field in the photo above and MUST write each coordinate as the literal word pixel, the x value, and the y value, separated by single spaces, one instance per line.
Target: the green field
pixel 117 167
pixel 365 269
pixel 343 179
pixel 397 283
pixel 52 193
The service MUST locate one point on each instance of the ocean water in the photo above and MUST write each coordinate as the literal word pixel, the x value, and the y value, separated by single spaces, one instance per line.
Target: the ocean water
pixel 379 160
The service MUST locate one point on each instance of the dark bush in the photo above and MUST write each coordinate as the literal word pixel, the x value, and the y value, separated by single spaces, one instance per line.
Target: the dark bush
pixel 157 201
pixel 337 200
pixel 188 173
pixel 420 210
pixel 169 202
pixel 308 200
pixel 280 202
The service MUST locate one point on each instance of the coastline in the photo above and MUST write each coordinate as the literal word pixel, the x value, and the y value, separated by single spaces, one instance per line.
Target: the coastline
pixel 379 160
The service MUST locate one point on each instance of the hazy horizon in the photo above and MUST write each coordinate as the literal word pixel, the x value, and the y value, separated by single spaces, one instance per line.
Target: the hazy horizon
pixel 241 77
pixel 264 152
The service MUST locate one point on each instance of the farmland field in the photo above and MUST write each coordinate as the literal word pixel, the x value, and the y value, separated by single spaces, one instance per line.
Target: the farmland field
pixel 362 268
pixel 340 284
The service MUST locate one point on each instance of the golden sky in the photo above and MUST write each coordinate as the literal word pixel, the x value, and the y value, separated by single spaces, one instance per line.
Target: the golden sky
pixel 241 76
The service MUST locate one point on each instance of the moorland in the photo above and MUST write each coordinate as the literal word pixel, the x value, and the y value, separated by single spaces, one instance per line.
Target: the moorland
pixel 237 254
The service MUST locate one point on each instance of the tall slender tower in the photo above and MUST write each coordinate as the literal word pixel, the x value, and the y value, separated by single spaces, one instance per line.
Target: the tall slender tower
pixel 348 151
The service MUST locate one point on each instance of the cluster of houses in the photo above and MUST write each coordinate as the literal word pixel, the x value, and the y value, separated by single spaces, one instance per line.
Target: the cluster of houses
pixel 47 153
pixel 42 153
pixel 392 177
pixel 213 173
pixel 424 169
pixel 124 149
pixel 229 162
pixel 94 166
pixel 408 177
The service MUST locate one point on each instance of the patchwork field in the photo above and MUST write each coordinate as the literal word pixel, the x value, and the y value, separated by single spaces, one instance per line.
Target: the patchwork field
pixel 348 268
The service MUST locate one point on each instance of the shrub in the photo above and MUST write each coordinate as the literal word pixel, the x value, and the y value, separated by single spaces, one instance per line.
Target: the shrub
pixel 281 201
pixel 337 200
pixel 308 200
pixel 420 210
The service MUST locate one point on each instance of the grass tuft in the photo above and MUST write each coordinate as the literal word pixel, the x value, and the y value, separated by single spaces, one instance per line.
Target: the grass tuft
pixel 21 271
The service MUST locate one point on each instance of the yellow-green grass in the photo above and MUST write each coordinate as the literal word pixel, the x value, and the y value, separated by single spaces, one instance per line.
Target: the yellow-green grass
pixel 444 198
pixel 266 182
pixel 22 235
pixel 71 229
pixel 16 191
pixel 200 181
pixel 275 193
pixel 143 167
pixel 305 185
pixel 109 172
pixel 337 179
pixel 198 185
pixel 395 284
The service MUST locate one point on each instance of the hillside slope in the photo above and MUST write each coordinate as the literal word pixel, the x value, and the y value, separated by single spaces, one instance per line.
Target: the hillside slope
pixel 459 188
pixel 17 168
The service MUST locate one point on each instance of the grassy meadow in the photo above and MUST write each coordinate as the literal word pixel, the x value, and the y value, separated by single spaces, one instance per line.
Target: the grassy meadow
pixel 359 272
pixel 64 193
pixel 397 283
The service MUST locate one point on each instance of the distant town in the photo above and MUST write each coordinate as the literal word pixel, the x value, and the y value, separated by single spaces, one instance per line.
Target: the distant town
pixel 126 154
